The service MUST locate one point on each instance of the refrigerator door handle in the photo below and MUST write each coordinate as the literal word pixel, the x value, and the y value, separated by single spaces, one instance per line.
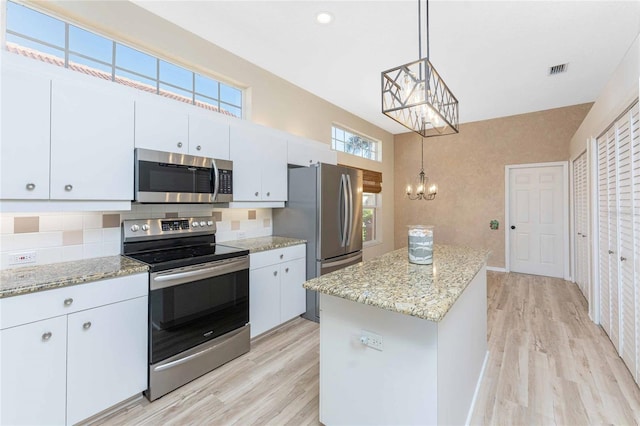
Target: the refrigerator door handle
pixel 345 217
pixel 350 194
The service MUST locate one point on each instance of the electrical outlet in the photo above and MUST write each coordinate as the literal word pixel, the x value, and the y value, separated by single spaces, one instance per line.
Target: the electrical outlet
pixel 22 258
pixel 372 340
pixel 241 235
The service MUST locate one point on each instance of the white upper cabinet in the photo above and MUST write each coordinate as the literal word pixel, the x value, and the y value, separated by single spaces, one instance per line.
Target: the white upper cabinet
pixel 259 157
pixel 24 134
pixel 208 136
pixel 168 125
pixel 91 141
pixel 161 124
pixel 305 152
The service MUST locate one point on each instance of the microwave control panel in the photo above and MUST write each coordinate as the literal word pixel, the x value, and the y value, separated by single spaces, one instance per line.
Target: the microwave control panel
pixel 226 181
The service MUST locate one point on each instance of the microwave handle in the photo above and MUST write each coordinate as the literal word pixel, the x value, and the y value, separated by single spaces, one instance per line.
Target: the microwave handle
pixel 216 179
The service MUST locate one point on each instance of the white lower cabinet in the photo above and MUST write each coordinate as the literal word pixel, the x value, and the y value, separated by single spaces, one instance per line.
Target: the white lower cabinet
pixel 105 357
pixel 275 287
pixel 33 373
pixel 89 357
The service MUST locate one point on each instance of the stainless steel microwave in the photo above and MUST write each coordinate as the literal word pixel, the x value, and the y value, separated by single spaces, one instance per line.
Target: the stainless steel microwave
pixel 168 177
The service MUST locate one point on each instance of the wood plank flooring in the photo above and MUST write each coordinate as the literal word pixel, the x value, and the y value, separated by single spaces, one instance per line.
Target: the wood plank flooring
pixel 548 365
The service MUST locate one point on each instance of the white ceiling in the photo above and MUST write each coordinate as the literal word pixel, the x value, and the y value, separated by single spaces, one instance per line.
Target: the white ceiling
pixel 494 55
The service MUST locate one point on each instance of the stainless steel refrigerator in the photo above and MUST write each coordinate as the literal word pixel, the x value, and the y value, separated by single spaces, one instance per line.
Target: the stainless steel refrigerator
pixel 324 207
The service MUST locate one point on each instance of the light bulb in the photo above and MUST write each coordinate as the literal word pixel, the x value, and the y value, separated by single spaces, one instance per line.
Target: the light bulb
pixel 408 189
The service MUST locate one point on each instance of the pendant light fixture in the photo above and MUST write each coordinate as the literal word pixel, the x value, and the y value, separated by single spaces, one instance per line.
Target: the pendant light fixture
pixel 422 191
pixel 415 95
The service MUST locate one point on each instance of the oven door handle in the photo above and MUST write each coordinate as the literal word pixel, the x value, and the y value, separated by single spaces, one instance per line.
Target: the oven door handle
pixel 175 278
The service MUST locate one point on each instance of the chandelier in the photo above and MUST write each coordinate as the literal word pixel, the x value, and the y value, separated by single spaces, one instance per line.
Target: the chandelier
pixel 423 192
pixel 415 95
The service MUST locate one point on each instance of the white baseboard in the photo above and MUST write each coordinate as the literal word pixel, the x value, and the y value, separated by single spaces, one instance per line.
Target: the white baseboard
pixel 496 269
pixel 478 384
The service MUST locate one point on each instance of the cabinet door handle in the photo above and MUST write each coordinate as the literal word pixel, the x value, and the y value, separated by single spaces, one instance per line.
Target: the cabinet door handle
pixel 275 273
pixel 256 194
pixel 282 256
pixel 31 186
pixel 46 336
pixel 580 233
pixel 610 252
pixel 86 325
pixel 68 188
pixel 179 144
pixel 622 259
pixel 198 147
pixel 68 302
pixel 268 194
pixel 286 270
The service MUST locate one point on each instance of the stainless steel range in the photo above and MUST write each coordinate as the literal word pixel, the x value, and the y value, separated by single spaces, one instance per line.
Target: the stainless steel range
pixel 198 298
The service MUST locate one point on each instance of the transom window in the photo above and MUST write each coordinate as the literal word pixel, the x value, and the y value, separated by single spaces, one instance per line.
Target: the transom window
pixel 40 36
pixel 355 144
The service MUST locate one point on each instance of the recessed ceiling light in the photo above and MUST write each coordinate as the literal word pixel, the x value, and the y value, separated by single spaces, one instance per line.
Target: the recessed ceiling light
pixel 324 18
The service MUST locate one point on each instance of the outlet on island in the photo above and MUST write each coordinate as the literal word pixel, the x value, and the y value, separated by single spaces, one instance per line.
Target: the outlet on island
pixel 372 340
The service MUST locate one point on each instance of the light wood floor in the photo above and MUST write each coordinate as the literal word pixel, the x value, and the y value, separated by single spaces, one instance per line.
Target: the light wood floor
pixel 549 364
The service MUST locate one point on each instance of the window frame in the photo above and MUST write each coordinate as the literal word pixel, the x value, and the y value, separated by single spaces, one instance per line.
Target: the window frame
pixel 347 131
pixel 156 84
pixel 377 227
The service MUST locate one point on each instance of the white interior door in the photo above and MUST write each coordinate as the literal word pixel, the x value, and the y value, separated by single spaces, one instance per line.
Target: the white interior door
pixel 536 216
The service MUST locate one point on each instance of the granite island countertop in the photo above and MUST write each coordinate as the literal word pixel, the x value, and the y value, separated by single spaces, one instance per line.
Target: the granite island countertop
pixel 390 282
pixel 256 245
pixel 14 282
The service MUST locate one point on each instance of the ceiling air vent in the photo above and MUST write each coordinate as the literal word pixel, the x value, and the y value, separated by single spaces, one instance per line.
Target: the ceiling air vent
pixel 557 69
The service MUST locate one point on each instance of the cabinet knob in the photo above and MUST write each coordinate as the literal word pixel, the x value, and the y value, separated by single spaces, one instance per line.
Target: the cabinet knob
pixel 584 236
pixel 46 336
pixel 282 256
pixel 610 252
pixel 275 273
pixel 310 161
pixel 198 147
pixel 68 188
pixel 268 194
pixel 580 233
pixel 622 259
pixel 31 186
pixel 68 302
pixel 179 144
pixel 86 325
pixel 256 194
pixel 286 270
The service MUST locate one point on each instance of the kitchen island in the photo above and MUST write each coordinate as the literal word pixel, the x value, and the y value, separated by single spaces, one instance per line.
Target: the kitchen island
pixel 403 343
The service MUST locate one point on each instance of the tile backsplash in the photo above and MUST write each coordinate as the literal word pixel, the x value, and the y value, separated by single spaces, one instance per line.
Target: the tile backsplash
pixel 65 236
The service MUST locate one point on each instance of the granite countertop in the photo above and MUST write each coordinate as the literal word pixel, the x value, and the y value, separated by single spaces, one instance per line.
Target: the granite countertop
pixel 390 282
pixel 255 245
pixel 14 282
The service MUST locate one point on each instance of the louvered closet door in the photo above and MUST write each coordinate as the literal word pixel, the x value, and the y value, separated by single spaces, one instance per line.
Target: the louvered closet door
pixel 635 173
pixel 614 280
pixel 580 221
pixel 626 246
pixel 603 235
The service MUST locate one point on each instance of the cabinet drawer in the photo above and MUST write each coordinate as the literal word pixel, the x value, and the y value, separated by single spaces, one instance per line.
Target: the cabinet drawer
pixel 37 306
pixel 272 257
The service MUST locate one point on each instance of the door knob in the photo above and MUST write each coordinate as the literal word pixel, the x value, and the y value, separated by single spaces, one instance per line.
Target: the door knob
pixel 513 227
pixel 610 252
pixel 622 259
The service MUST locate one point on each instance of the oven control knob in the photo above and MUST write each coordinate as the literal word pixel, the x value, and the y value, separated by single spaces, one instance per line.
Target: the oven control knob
pixel 145 227
pixel 203 223
pixel 210 223
pixel 194 224
pixel 134 228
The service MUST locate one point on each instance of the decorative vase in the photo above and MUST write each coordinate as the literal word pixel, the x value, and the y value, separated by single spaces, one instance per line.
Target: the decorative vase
pixel 421 244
